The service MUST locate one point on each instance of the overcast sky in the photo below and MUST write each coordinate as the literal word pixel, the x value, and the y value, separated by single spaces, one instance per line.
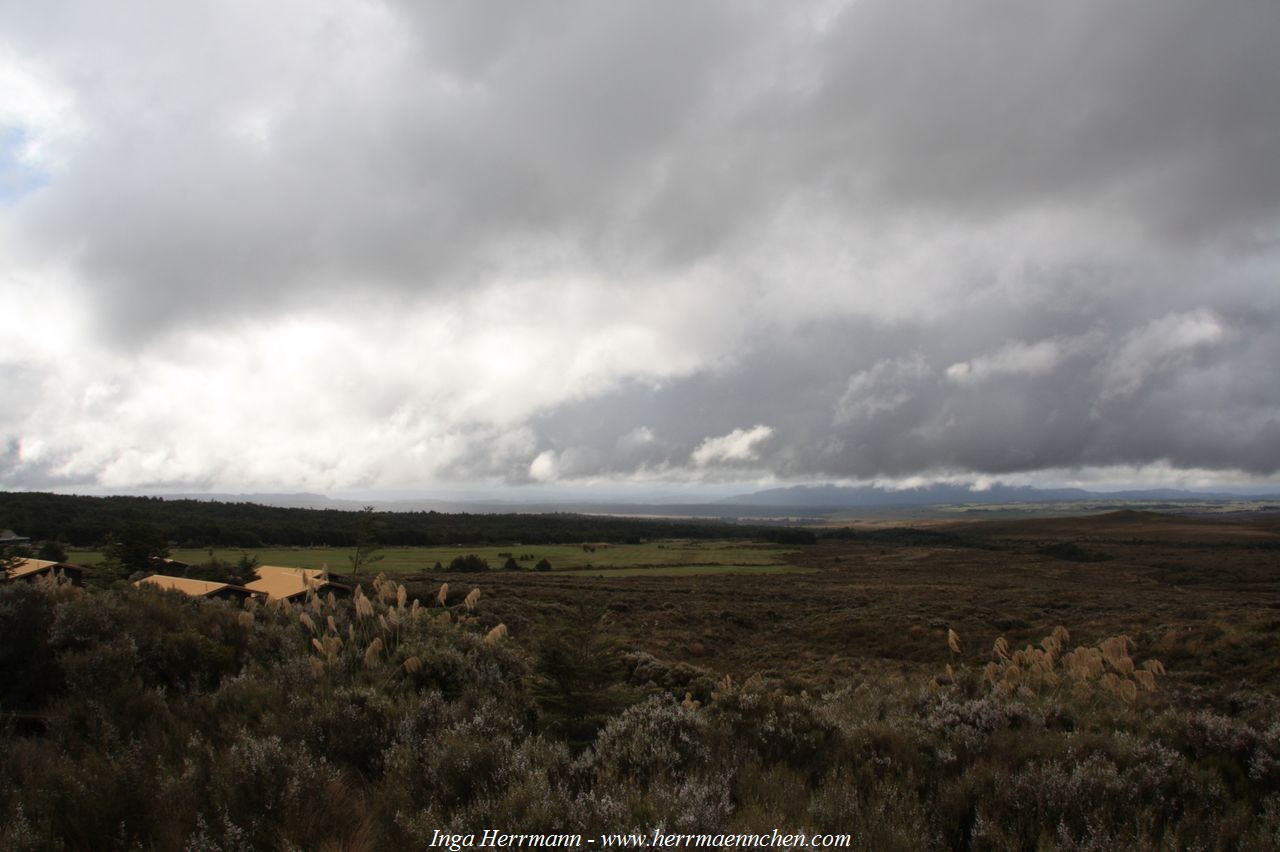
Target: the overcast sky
pixel 337 246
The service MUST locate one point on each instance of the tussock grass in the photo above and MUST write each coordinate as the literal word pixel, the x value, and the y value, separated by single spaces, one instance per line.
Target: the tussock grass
pixel 1085 671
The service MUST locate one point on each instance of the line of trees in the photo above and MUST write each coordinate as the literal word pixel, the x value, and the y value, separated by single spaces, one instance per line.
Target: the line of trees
pixel 91 521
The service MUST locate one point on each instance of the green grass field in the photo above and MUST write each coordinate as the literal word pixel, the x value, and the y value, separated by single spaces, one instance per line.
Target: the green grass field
pixel 676 557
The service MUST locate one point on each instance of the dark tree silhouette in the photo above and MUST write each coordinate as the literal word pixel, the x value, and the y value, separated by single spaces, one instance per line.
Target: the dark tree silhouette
pixel 368 528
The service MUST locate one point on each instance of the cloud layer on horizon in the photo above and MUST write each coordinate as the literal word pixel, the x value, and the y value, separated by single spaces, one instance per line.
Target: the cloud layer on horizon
pixel 385 244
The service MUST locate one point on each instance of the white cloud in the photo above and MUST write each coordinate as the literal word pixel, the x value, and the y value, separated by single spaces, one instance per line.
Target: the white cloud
pixel 1023 358
pixel 740 445
pixel 39 108
pixel 639 437
pixel 543 468
pixel 328 401
pixel 1015 359
pixel 1158 346
pixel 884 387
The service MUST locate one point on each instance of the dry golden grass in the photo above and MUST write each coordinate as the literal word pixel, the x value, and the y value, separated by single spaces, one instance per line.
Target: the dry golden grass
pixel 470 600
pixel 1084 670
pixel 378 625
pixel 364 607
pixel 371 654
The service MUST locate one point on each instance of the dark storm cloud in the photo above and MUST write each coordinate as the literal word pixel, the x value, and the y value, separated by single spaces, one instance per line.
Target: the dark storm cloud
pixel 1165 113
pixel 1189 390
pixel 412 170
pixel 881 238
pixel 644 131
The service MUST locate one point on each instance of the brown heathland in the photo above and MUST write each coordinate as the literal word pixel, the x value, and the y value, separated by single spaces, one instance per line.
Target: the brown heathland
pixel 1201 595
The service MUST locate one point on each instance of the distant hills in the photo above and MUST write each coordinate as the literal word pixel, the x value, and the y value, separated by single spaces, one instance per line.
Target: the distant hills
pixel 794 501
pixel 833 497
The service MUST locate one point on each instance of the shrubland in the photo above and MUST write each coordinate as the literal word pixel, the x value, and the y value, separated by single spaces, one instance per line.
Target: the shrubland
pixel 135 718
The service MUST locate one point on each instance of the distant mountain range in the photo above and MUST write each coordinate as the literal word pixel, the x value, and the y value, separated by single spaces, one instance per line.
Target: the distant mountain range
pixel 841 497
pixel 800 500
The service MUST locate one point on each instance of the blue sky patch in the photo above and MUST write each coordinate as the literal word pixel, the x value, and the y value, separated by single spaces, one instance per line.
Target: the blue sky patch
pixel 16 177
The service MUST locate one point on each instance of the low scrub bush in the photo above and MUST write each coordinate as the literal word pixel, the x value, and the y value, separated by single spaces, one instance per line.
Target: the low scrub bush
pixel 651 739
pixel 469 564
pixel 140 719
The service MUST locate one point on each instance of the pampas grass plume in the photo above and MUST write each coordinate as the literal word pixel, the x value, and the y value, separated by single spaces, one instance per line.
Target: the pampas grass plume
pixel 371 653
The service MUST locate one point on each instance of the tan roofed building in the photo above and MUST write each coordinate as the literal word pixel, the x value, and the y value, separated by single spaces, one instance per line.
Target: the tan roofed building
pixel 30 569
pixel 280 583
pixel 196 588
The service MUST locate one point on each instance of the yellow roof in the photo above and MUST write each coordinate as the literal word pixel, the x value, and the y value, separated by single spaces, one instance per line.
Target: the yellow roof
pixel 279 582
pixel 23 567
pixel 195 588
pixel 310 573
